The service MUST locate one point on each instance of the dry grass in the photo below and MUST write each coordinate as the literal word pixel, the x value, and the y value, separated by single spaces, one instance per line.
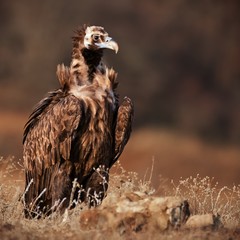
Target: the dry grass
pixel 205 197
pixel 203 194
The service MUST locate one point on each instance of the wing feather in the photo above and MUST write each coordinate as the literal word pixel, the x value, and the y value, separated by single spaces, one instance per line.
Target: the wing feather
pixel 42 107
pixel 63 75
pixel 50 100
pixel 123 126
pixel 49 137
pixel 47 144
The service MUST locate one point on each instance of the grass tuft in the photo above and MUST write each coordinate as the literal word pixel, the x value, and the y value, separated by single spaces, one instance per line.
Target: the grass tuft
pixel 205 196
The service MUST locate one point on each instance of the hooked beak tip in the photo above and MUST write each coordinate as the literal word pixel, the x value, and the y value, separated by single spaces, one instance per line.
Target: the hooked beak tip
pixel 113 45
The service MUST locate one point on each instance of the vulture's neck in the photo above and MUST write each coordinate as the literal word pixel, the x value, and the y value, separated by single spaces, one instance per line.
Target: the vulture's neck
pixel 84 64
pixel 92 60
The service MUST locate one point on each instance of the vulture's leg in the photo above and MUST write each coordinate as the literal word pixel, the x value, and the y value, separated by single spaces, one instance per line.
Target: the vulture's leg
pixel 62 187
pixel 96 186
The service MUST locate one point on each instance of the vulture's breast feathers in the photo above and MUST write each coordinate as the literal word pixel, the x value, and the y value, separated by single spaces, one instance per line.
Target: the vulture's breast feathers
pixel 101 91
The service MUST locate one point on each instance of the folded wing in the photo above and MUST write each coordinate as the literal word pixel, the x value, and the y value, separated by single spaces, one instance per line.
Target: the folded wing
pixel 123 126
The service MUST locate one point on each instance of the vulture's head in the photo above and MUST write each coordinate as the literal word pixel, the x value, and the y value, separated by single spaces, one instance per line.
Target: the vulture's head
pixel 97 38
pixel 88 45
pixel 93 38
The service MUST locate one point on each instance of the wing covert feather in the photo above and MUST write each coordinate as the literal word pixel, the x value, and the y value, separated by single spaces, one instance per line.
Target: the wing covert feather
pixel 49 140
pixel 43 106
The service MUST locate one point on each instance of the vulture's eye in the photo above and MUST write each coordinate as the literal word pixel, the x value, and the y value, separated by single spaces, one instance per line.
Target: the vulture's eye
pixel 96 37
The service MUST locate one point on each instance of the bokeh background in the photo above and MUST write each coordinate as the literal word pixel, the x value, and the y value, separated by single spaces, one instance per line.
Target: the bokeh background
pixel 179 61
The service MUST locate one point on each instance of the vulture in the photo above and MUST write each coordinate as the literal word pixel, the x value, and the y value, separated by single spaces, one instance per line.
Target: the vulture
pixel 77 132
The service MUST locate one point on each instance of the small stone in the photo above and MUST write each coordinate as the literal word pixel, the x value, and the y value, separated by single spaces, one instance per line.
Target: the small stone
pixel 204 221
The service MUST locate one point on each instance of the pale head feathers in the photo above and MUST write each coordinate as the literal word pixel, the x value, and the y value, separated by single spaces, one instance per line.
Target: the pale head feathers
pixel 97 38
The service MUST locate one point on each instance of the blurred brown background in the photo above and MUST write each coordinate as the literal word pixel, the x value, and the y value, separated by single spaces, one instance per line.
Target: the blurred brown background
pixel 179 61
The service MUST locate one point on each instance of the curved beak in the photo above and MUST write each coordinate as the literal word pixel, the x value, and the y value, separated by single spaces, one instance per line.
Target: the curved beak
pixel 109 44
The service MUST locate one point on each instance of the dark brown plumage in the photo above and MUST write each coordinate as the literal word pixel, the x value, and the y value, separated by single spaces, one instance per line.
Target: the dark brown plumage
pixel 77 132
